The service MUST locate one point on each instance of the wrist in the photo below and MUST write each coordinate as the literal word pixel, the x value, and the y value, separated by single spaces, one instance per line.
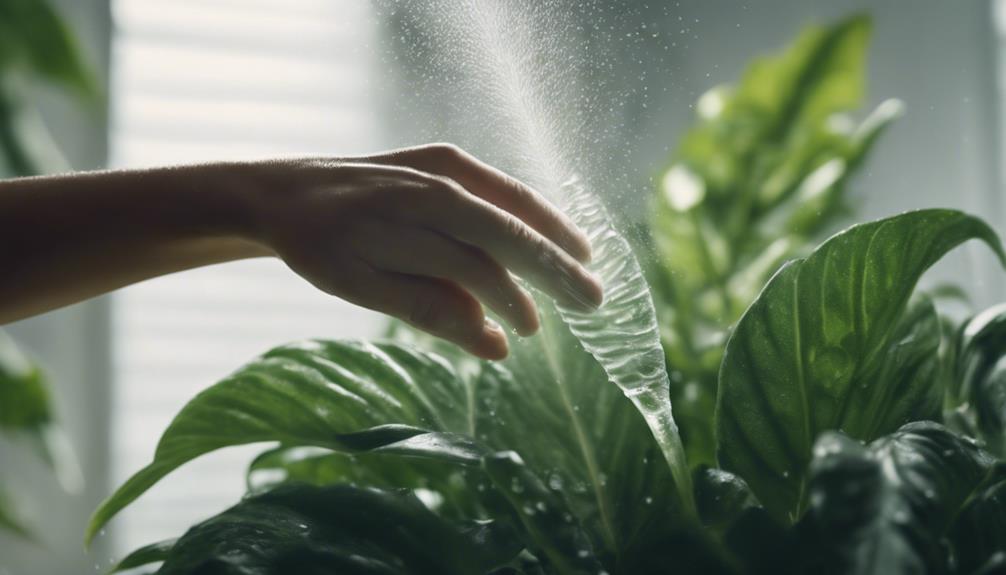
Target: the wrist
pixel 230 197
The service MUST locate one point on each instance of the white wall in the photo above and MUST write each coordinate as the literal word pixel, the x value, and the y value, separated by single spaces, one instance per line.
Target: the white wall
pixel 72 344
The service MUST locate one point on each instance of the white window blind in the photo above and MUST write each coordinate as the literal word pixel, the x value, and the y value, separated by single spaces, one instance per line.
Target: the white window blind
pixel 200 80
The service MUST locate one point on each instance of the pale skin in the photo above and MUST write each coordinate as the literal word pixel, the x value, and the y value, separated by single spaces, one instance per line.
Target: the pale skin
pixel 430 235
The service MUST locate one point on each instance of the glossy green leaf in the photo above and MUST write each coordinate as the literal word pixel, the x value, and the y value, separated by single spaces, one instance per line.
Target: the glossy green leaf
pixel 979 531
pixel 345 396
pixel 552 532
pixel 909 373
pixel 146 555
pixel 339 529
pixel 594 445
pixel 977 387
pixel 452 490
pixel 599 450
pixel 354 397
pixel 721 497
pixel 810 353
pixel 883 508
pixel 761 174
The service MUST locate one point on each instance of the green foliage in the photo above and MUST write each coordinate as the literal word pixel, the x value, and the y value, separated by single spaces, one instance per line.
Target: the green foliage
pixel 411 458
pixel 979 530
pixel 384 401
pixel 978 398
pixel 153 553
pixel 338 396
pixel 758 178
pixel 24 395
pixel 337 529
pixel 26 414
pixel 34 43
pixel 883 508
pixel 35 39
pixel 828 345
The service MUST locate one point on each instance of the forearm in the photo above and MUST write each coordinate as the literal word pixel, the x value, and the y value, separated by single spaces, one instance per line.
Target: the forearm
pixel 64 239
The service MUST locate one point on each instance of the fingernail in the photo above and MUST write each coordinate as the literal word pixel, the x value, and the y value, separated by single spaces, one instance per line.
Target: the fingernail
pixel 494 347
pixel 492 325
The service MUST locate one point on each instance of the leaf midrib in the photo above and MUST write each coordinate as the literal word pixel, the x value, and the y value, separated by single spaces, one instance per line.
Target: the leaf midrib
pixel 802 386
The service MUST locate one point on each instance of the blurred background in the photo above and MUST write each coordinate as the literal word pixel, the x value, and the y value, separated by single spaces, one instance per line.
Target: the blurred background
pixel 200 80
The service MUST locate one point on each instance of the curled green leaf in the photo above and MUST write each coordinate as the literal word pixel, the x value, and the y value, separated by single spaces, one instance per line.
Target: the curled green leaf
pixel 814 351
pixel 339 529
pixel 344 396
pixel 882 508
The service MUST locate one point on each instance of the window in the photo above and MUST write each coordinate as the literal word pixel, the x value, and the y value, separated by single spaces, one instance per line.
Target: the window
pixel 198 80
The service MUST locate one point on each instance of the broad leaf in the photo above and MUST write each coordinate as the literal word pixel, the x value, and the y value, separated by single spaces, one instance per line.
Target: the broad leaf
pixel 450 489
pixel 336 395
pixel 819 350
pixel 146 555
pixel 552 533
pixel 552 403
pixel 598 450
pixel 883 508
pixel 908 378
pixel 979 532
pixel 340 529
pixel 342 396
pixel 761 174
pixel 354 397
pixel 978 383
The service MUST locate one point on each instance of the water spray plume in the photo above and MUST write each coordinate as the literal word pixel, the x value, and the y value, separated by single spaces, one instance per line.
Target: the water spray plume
pixel 623 334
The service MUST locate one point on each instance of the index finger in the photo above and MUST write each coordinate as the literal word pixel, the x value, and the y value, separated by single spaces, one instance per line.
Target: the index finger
pixel 500 189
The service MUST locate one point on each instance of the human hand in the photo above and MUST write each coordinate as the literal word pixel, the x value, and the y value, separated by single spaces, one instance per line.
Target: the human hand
pixel 424 234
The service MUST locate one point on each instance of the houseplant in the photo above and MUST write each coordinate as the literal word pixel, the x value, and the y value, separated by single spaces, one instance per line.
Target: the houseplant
pixel 851 431
pixel 35 45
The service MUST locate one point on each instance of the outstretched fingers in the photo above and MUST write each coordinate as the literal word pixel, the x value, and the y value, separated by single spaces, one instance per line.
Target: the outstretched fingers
pixel 499 189
pixel 432 254
pixel 437 306
pixel 445 206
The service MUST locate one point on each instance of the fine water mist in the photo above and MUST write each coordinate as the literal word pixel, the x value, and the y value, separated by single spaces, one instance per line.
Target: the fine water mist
pixel 514 61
